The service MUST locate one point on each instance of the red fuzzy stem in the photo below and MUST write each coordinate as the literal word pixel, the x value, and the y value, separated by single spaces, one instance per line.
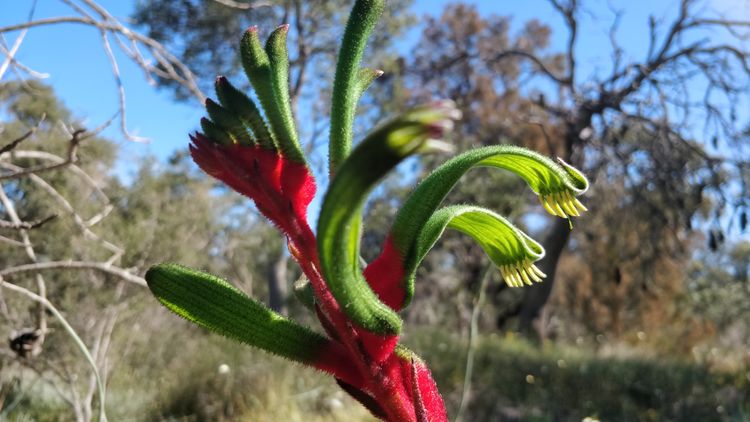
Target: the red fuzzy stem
pixel 282 191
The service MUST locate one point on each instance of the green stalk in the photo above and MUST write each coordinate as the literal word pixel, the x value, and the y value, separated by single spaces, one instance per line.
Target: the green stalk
pixel 347 86
pixel 340 216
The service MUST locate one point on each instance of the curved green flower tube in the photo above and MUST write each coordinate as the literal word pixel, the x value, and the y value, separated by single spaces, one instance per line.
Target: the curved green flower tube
pixel 341 213
pixel 510 249
pixel 556 183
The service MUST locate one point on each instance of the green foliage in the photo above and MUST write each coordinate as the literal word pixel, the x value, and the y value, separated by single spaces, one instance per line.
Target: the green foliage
pixel 719 293
pixel 519 380
pixel 510 249
pixel 28 101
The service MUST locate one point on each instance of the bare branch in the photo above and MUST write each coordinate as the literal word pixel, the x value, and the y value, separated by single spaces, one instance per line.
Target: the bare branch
pixel 242 5
pixel 569 12
pixel 10 209
pixel 14 143
pixel 11 53
pixel 166 66
pixel 26 225
pixel 71 158
pixel 120 89
pixel 77 219
pixel 18 65
pixel 534 59
pixel 77 265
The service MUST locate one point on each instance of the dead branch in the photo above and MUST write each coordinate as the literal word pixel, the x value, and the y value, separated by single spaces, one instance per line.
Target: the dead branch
pixel 26 225
pixel 242 5
pixel 71 158
pixel 104 268
pixel 159 62
pixel 29 248
pixel 14 143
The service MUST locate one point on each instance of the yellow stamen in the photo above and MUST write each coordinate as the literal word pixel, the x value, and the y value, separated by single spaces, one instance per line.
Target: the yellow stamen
pixel 558 208
pixel 567 206
pixel 533 275
pixel 506 275
pixel 546 206
pixel 525 276
pixel 514 278
pixel 538 271
pixel 578 203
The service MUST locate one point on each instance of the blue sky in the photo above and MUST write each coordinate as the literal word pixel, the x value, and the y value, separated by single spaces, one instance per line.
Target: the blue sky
pixel 79 71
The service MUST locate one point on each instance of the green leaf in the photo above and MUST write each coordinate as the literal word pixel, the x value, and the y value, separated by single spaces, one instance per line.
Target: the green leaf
pixel 555 184
pixel 215 133
pixel 228 121
pixel 214 304
pixel 509 248
pixel 236 101
pixel 365 78
pixel 279 61
pixel 268 74
pixel 347 85
pixel 341 213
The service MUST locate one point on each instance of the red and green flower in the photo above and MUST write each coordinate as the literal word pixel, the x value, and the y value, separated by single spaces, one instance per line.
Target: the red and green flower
pixel 255 151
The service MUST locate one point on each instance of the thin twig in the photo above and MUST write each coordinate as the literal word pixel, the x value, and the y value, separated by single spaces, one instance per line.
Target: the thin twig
pixel 473 333
pixel 11 53
pixel 10 209
pixel 79 265
pixel 77 339
pixel 26 225
pixel 14 143
pixel 71 158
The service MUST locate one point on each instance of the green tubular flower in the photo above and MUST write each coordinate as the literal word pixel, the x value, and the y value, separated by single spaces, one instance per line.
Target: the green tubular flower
pixel 350 81
pixel 218 306
pixel 556 184
pixel 255 150
pixel 510 249
pixel 339 224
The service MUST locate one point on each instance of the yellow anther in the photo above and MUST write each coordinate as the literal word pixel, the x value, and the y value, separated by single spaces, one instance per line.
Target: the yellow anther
pixel 558 208
pixel 568 207
pixel 525 276
pixel 546 206
pixel 577 203
pixel 538 272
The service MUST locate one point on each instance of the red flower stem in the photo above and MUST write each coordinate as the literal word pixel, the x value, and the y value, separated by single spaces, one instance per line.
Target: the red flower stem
pixel 383 390
pixel 380 386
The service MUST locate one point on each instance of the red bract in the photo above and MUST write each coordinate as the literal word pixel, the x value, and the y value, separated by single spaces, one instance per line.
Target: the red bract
pixel 280 188
pixel 385 274
pixel 365 361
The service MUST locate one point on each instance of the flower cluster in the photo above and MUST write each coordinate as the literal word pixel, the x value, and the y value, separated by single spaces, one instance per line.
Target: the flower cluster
pixel 255 151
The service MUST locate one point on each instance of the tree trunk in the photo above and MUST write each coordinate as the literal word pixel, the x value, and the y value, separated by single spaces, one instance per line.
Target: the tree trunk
pixel 536 296
pixel 277 284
